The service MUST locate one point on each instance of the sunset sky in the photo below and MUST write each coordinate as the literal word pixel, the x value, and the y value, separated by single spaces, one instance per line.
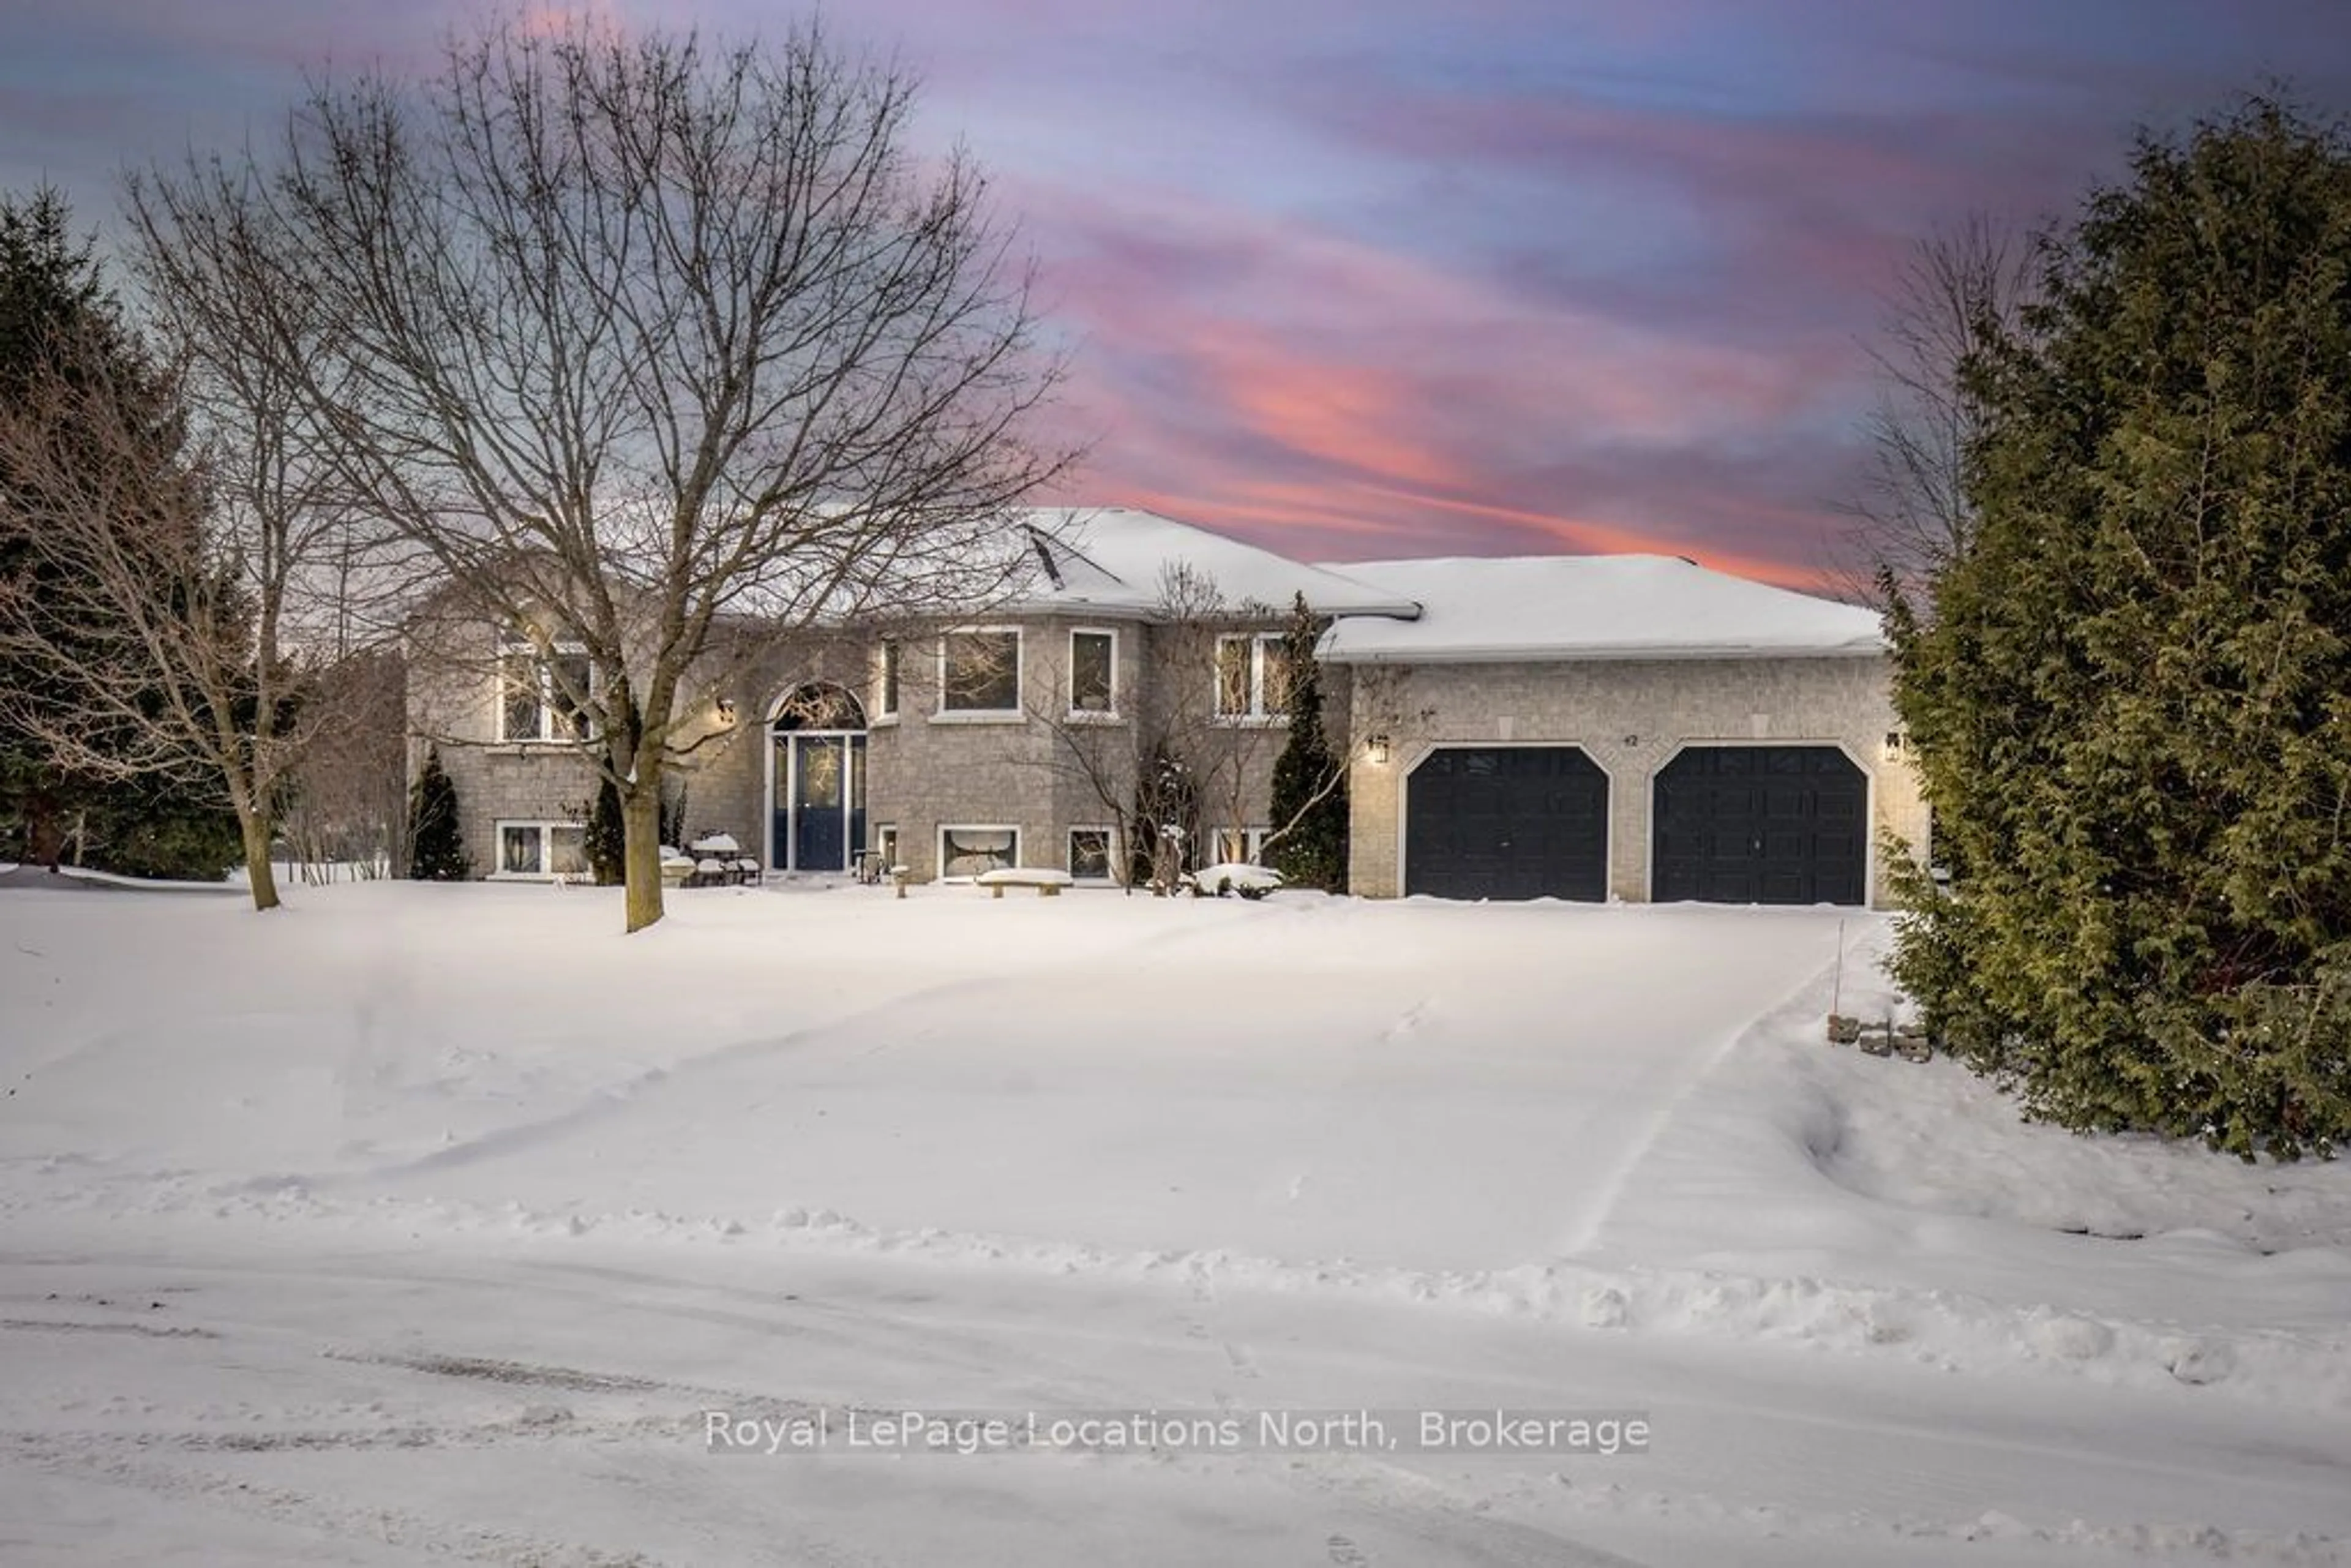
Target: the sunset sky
pixel 1361 279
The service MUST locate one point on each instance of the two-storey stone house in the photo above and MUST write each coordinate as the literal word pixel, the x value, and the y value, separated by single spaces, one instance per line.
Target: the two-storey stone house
pixel 1629 728
pixel 950 747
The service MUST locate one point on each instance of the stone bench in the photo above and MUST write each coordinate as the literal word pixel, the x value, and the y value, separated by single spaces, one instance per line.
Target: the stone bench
pixel 1048 881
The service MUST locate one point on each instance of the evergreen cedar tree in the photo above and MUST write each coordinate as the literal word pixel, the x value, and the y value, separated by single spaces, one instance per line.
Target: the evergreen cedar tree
pixel 437 844
pixel 2129 690
pixel 1312 852
pixel 52 293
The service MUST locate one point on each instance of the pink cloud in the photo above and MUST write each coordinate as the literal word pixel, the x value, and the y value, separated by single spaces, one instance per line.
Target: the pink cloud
pixel 1278 377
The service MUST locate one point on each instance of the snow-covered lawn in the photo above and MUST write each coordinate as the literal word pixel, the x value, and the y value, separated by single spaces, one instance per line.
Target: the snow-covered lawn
pixel 426 1221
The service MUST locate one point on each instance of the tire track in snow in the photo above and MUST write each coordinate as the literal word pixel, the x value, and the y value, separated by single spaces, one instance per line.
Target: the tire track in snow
pixel 1509 1517
pixel 615 1098
pixel 373 1524
pixel 1603 1202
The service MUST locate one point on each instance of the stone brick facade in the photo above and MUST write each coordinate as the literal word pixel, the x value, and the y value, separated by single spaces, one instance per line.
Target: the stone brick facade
pixel 1036 770
pixel 453 706
pixel 1630 716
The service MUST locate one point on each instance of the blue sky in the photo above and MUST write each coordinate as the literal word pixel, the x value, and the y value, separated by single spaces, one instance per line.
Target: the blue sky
pixel 1360 277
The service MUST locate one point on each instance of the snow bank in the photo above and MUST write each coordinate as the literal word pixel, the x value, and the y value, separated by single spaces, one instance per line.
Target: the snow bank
pixel 1938 1329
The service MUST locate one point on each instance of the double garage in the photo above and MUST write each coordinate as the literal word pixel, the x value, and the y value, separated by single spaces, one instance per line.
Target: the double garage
pixel 1620 728
pixel 1727 824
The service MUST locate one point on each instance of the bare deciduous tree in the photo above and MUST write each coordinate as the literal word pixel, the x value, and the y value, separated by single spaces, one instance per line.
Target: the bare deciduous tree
pixel 264 365
pixel 151 641
pixel 306 566
pixel 1957 292
pixel 643 340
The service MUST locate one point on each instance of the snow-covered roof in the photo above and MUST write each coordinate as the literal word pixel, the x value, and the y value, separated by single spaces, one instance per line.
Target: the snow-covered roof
pixel 1110 559
pixel 1590 607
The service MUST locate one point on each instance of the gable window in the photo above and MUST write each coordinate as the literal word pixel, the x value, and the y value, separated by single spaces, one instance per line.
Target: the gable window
pixel 1252 677
pixel 1089 854
pixel 542 848
pixel 980 672
pixel 540 696
pixel 968 852
pixel 1093 673
pixel 886 698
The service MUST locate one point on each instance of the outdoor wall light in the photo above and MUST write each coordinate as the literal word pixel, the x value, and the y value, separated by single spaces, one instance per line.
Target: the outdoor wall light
pixel 1376 749
pixel 726 710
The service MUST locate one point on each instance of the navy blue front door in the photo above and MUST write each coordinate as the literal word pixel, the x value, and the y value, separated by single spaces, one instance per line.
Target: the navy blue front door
pixel 819 802
pixel 821 837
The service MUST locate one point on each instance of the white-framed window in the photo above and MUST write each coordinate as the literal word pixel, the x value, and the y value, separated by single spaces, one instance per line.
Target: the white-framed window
pixel 540 695
pixel 886 679
pixel 1252 676
pixel 1093 673
pixel 979 671
pixel 966 851
pixel 1240 845
pixel 542 848
pixel 1093 854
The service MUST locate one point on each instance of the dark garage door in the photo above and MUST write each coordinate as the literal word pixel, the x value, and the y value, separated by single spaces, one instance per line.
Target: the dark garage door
pixel 1761 824
pixel 1507 821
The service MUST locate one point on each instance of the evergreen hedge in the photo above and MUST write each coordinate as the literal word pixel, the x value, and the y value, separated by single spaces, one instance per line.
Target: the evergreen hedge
pixel 2129 689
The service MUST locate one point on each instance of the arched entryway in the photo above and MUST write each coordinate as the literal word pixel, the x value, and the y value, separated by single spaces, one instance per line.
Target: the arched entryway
pixel 815 780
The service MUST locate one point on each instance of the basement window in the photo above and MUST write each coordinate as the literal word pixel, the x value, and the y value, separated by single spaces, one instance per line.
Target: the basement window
pixel 966 852
pixel 1090 853
pixel 542 848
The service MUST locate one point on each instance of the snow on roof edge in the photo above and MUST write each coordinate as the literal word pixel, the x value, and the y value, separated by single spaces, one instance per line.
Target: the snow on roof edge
pixel 1618 606
pixel 1120 542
